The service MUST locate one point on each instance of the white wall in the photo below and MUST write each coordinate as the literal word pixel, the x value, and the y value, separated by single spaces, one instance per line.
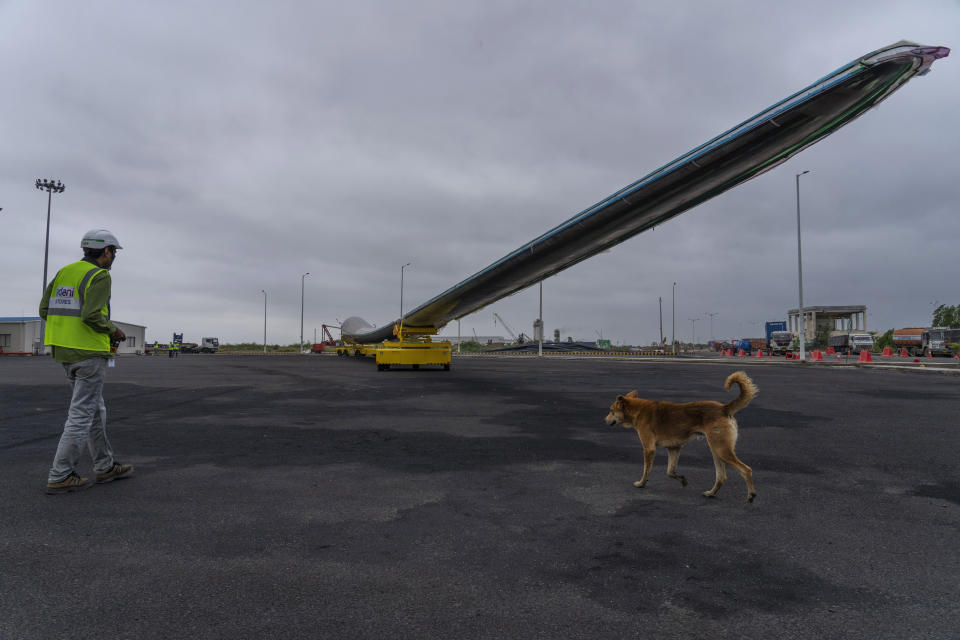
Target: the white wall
pixel 24 335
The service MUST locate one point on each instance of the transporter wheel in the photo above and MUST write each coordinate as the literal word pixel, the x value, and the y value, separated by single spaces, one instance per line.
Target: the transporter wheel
pixel 383 367
pixel 446 367
pixel 415 367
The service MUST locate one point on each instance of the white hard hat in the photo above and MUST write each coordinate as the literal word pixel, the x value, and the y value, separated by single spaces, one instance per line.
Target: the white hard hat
pixel 99 239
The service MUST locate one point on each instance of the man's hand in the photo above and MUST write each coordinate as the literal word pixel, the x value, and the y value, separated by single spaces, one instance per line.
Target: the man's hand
pixel 118 335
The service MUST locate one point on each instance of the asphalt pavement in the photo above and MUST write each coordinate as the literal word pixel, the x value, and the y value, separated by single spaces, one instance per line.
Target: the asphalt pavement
pixel 315 497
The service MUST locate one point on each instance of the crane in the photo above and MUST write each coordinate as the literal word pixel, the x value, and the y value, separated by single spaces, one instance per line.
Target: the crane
pixel 496 317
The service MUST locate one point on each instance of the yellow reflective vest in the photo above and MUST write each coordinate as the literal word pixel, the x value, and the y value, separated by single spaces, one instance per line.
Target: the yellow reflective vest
pixel 65 326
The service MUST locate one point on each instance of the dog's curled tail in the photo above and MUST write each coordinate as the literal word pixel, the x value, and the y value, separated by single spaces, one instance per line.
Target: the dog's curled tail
pixel 748 391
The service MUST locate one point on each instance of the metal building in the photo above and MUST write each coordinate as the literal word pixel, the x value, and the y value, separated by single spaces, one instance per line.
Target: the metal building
pixel 23 336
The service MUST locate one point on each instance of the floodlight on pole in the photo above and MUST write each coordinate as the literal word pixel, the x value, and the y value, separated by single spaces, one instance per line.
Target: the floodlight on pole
pixel 302 278
pixel 711 314
pixel 540 320
pixel 402 267
pixel 51 188
pixel 803 326
pixel 264 292
pixel 673 321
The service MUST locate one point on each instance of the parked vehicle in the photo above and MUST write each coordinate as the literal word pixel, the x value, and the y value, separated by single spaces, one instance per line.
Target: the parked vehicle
pixel 933 341
pixel 776 326
pixel 779 342
pixel 206 345
pixel 850 342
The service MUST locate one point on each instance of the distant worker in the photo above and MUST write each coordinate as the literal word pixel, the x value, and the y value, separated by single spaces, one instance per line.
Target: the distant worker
pixel 156 348
pixel 76 306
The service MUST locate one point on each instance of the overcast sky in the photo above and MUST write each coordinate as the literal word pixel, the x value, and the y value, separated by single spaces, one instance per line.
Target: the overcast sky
pixel 234 146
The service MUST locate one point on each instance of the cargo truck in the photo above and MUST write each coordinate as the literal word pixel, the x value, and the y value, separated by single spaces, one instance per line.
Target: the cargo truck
pixel 933 341
pixel 850 342
pixel 207 345
pixel 777 325
pixel 779 342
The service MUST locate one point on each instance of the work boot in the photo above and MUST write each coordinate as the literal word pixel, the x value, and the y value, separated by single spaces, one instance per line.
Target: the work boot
pixel 72 482
pixel 117 471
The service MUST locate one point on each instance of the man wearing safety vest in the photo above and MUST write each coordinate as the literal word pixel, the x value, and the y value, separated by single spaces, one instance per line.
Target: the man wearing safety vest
pixel 76 306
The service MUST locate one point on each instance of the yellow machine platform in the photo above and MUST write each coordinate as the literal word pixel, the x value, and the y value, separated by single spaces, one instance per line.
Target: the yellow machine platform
pixel 413 347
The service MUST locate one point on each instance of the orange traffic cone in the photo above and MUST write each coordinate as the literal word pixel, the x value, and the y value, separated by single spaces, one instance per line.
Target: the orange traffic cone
pixel 929 354
pixel 817 355
pixel 887 351
pixel 789 355
pixel 759 353
pixel 903 352
pixel 831 351
pixel 865 356
pixel 740 353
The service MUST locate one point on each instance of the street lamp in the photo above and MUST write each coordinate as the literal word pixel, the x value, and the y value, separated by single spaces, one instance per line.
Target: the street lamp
pixel 402 267
pixel 50 187
pixel 264 292
pixel 540 320
pixel 693 323
pixel 803 327
pixel 673 321
pixel 301 309
pixel 711 314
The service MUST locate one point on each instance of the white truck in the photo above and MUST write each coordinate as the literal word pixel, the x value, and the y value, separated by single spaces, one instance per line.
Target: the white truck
pixel 850 342
pixel 780 341
pixel 206 345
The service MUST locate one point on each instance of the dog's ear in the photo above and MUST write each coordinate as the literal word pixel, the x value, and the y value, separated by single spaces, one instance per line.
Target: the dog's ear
pixel 632 394
pixel 619 399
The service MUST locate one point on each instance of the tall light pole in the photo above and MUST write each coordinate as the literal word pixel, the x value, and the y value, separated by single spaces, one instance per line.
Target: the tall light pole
pixel 803 327
pixel 302 278
pixel 540 320
pixel 693 323
pixel 711 314
pixel 673 321
pixel 50 187
pixel 660 303
pixel 264 292
pixel 402 267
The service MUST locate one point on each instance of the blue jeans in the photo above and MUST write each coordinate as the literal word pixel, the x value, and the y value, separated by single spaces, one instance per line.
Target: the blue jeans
pixel 86 425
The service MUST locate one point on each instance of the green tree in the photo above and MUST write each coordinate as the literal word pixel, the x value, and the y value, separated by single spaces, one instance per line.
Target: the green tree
pixel 886 340
pixel 820 341
pixel 947 316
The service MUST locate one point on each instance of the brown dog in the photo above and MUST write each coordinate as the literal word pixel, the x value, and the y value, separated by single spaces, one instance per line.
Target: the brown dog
pixel 671 425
